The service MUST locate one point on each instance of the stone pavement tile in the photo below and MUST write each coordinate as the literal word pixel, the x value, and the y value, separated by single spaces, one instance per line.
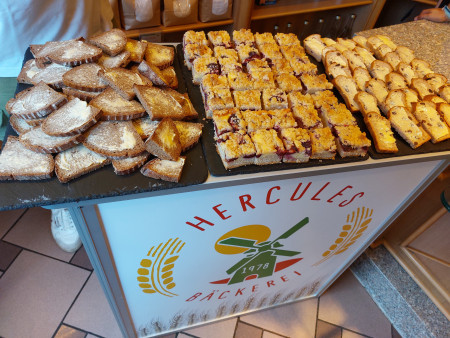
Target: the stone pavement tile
pixel 36 293
pixel 347 304
pixel 327 330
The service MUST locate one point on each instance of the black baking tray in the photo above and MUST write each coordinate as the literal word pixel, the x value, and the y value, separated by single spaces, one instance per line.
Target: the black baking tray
pixel 213 160
pixel 101 183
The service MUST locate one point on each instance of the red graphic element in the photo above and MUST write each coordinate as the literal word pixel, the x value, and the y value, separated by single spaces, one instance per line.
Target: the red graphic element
pixel 278 267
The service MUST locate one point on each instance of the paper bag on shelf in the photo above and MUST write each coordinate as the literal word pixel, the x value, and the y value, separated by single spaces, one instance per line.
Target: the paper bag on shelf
pixel 179 12
pixel 140 13
pixel 215 10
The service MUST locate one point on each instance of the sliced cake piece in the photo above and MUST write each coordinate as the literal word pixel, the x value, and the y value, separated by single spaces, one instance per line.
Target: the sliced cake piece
pixel 395 81
pixel 431 121
pixel 350 141
pixel 307 117
pixel 422 87
pixel 257 119
pixel 194 51
pixel 282 119
pixel 129 165
pixel 407 72
pixel 444 110
pixel 406 128
pixel 123 80
pixel 164 169
pixel 114 139
pixel 379 69
pixel 136 49
pixel 115 107
pixel 366 55
pixel 274 98
pixel 159 55
pixel 297 144
pixel 69 53
pixel 220 38
pixel 170 77
pixel 36 140
pixel 348 89
pixel 159 103
pixel 269 147
pixel 314 46
pixel 35 102
pixel 315 83
pixel 81 94
pixel 73 118
pixel 381 132
pixel 165 141
pixel 153 73
pixel 85 77
pixel 367 102
pixel 51 75
pixel 19 124
pixel 112 42
pixel 145 126
pixel 19 163
pixel 189 133
pixel 405 53
pixel 421 67
pixel 235 150
pixel 354 59
pixel 323 145
pixel 378 89
pixel 435 81
pixel 393 59
pixel 444 92
pixel 247 99
pixel 228 121
pixel 217 99
pixel 77 161
pixel 203 66
pixel 120 60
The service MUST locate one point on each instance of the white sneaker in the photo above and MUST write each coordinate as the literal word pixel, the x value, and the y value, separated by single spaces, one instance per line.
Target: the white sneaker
pixel 64 231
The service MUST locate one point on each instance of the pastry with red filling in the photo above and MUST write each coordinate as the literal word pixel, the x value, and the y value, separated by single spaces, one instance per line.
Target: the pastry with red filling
pixel 350 141
pixel 297 144
pixel 323 145
pixel 228 121
pixel 235 150
pixel 269 147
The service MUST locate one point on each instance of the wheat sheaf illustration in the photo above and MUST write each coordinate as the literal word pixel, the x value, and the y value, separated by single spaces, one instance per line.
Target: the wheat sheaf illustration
pixel 357 223
pixel 156 270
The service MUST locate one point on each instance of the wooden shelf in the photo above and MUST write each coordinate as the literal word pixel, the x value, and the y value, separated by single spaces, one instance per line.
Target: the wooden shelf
pixel 134 33
pixel 291 7
pixel 427 2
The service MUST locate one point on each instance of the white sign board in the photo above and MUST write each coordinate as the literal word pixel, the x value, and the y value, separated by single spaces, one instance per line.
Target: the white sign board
pixel 190 258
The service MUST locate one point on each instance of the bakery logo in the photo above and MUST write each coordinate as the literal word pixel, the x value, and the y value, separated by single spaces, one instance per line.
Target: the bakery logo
pixel 156 270
pixel 261 255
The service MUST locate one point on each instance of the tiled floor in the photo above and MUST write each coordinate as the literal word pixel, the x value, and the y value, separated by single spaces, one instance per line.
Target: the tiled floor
pixel 45 292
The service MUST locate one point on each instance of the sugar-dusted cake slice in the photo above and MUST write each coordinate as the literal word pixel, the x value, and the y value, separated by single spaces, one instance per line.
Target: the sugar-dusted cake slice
pixel 247 99
pixel 165 141
pixel 228 121
pixel 274 98
pixel 189 133
pixel 269 147
pixel 282 118
pixel 323 145
pixel 164 169
pixel 350 141
pixel 20 163
pixel 235 150
pixel 257 119
pixel 297 144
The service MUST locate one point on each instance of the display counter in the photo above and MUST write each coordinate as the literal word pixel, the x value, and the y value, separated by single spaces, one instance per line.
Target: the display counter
pixel 176 255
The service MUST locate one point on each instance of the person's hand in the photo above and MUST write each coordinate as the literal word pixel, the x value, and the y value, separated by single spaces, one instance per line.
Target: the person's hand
pixel 432 14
